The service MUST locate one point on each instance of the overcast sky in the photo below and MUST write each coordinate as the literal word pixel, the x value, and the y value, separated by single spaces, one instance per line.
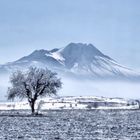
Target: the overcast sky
pixel 113 26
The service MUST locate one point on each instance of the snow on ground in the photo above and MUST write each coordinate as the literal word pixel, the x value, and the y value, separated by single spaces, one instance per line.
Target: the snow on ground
pixel 73 102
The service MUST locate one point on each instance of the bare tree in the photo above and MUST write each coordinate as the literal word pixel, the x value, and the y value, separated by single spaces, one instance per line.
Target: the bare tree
pixel 32 84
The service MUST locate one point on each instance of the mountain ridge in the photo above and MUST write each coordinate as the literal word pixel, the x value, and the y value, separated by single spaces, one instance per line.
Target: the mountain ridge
pixel 76 58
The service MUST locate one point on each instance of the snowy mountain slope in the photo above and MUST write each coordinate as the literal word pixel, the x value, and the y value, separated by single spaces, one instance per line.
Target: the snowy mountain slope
pixel 76 58
pixel 86 59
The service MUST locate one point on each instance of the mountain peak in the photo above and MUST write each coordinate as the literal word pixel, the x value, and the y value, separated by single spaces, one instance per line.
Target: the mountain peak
pixel 72 44
pixel 75 58
pixel 81 50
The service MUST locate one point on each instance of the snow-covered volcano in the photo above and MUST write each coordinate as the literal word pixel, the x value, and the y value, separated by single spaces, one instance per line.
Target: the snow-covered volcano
pixel 76 59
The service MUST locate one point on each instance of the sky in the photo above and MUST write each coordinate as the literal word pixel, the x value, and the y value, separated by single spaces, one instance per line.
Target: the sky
pixel 113 26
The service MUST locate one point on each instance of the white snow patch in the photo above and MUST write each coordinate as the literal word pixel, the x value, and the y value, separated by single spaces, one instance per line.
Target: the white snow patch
pixel 57 56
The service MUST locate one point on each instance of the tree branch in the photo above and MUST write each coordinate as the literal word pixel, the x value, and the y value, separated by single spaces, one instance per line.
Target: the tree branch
pixel 27 90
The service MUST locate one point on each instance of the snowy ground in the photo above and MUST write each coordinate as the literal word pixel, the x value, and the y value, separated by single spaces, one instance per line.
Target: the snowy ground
pixel 73 102
pixel 71 125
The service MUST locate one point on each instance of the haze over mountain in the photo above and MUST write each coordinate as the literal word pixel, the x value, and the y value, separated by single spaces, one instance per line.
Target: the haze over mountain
pixel 75 59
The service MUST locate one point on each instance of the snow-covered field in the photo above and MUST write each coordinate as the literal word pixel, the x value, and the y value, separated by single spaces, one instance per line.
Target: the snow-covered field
pixel 71 125
pixel 73 102
pixel 71 118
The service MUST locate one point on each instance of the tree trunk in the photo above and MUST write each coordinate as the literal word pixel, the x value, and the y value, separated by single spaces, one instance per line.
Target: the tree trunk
pixel 32 105
pixel 33 108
